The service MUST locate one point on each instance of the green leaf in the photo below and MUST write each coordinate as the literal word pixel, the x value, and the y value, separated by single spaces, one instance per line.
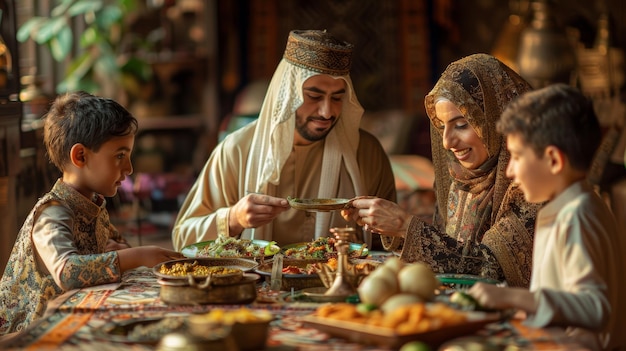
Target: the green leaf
pixel 109 16
pixel 271 248
pixel 89 37
pixel 81 66
pixel 61 9
pixel 61 45
pixel 106 66
pixel 88 85
pixel 62 87
pixel 463 299
pixel 365 308
pixel 84 6
pixel 71 83
pixel 106 50
pixel 29 28
pixel 50 29
pixel 138 68
pixel 129 5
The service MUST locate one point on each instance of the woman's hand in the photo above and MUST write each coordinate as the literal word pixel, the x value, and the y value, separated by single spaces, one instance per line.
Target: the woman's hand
pixel 378 215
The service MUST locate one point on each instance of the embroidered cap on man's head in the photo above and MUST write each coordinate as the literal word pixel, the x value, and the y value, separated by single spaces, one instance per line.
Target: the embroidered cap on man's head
pixel 319 51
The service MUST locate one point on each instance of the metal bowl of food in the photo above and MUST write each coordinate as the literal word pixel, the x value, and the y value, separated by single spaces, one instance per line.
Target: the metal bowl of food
pixel 207 280
pixel 180 292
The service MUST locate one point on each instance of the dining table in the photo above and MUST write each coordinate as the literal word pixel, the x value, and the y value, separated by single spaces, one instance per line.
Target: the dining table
pixel 75 321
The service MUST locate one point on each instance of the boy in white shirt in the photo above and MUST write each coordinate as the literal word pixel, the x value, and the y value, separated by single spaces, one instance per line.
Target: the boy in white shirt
pixel 578 277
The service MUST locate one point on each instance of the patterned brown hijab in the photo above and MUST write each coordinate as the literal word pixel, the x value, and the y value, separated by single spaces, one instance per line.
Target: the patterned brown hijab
pixel 480 213
pixel 481 87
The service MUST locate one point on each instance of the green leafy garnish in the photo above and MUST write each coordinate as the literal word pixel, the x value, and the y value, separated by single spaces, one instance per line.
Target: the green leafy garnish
pixel 467 302
pixel 464 300
pixel 271 248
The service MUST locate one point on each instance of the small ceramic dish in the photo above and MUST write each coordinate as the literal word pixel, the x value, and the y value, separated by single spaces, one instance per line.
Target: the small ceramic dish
pixel 248 328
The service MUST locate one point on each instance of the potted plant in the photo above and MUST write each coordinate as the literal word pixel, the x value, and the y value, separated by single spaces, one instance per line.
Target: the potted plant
pixel 105 62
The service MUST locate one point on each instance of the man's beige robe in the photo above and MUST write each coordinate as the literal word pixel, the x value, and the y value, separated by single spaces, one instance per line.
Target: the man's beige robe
pixel 204 213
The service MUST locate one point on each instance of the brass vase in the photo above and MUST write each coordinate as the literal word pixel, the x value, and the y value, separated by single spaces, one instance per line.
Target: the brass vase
pixel 545 55
pixel 506 47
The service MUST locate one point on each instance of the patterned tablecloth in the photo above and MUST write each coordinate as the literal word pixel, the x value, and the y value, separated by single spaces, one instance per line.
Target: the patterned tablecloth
pixel 73 320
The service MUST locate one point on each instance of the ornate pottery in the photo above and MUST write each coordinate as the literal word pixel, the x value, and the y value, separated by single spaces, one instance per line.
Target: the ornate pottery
pixel 507 44
pixel 545 54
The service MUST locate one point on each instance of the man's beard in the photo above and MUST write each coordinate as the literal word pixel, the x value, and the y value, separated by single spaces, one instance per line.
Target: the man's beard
pixel 306 133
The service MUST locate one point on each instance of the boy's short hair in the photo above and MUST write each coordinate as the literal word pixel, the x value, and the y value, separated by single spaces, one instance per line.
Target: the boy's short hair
pixel 82 118
pixel 558 115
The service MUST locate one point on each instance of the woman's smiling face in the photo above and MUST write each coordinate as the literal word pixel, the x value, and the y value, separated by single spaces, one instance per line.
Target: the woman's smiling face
pixel 459 136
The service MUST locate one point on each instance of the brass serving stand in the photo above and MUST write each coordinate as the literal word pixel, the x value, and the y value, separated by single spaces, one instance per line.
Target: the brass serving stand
pixel 342 285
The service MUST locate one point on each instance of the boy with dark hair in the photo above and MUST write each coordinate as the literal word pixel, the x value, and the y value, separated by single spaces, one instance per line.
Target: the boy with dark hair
pixel 67 241
pixel 577 279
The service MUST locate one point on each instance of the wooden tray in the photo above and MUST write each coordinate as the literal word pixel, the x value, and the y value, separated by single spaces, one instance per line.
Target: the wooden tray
pixel 386 337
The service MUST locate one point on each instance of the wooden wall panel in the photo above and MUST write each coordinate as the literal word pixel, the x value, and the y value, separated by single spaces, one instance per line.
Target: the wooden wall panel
pixel 414 55
pixel 265 49
pixel 383 33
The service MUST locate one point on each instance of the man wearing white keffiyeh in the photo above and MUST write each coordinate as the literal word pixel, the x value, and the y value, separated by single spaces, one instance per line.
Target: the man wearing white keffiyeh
pixel 306 144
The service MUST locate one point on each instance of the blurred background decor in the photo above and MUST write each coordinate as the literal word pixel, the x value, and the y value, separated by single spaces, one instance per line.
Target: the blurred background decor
pixel 107 64
pixel 545 54
pixel 204 57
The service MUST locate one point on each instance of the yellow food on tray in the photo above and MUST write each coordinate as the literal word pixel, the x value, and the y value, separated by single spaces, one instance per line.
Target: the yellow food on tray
pixel 228 317
pixel 408 319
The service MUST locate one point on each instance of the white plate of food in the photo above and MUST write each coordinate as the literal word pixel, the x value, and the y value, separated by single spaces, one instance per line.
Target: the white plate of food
pixel 231 247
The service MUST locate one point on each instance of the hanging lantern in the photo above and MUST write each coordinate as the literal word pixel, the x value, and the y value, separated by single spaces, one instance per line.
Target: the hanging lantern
pixel 545 54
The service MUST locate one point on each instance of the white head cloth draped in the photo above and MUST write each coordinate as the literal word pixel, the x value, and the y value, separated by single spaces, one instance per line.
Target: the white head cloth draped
pixel 273 141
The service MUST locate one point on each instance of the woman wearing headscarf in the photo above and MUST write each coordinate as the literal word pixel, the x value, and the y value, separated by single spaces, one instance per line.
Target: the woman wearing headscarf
pixel 482 225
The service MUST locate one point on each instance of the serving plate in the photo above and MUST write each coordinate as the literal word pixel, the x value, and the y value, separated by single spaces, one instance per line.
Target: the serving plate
pixel 301 247
pixel 317 294
pixel 318 205
pixel 388 337
pixel 259 246
pixel 463 281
